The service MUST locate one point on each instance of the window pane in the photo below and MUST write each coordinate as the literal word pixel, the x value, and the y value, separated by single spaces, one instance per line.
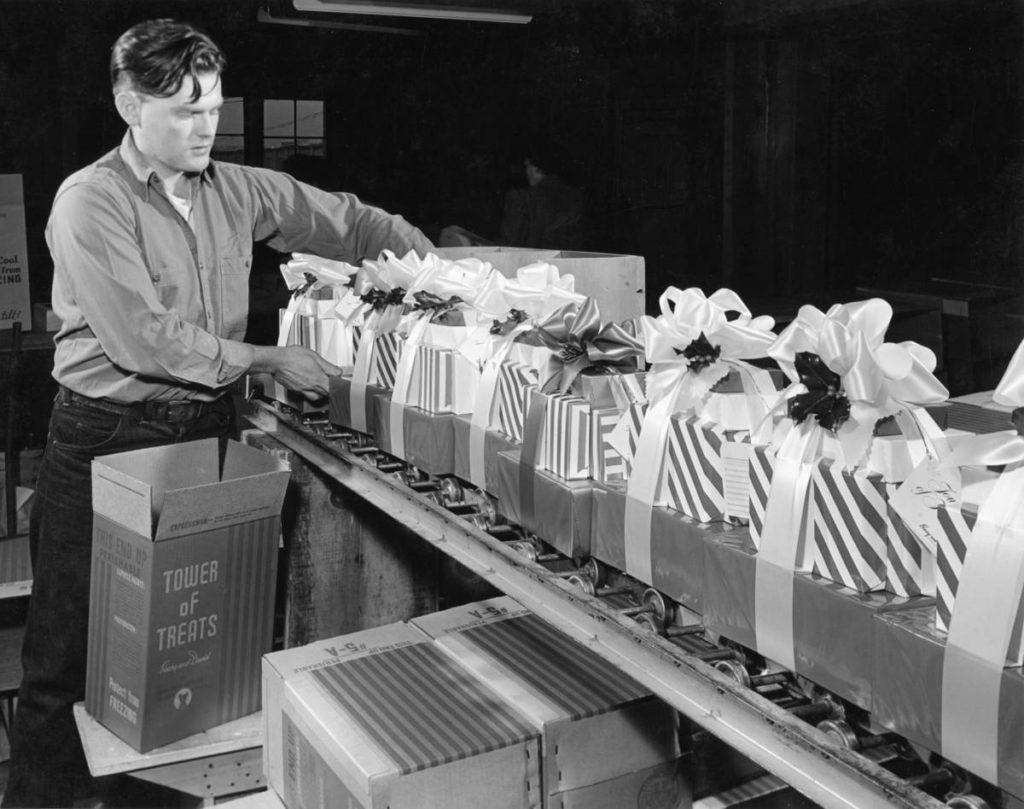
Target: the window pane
pixel 232 120
pixel 279 118
pixel 313 146
pixel 276 151
pixel 310 115
pixel 229 148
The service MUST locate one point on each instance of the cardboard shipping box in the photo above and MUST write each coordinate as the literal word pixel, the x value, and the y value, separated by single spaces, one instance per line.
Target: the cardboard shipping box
pixel 615 282
pixel 181 607
pixel 598 725
pixel 383 718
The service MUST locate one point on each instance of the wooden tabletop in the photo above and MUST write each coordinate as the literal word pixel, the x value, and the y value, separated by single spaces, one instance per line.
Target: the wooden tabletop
pixel 106 754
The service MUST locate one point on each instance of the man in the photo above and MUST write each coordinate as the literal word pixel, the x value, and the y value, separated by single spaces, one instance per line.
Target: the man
pixel 548 212
pixel 152 247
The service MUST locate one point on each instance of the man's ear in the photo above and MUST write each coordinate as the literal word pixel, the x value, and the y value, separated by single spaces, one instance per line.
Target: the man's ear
pixel 128 106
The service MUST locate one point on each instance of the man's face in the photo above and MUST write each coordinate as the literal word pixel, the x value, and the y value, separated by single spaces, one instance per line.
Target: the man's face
pixel 175 133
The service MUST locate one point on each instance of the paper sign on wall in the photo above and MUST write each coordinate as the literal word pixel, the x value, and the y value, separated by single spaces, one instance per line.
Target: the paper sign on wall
pixel 15 302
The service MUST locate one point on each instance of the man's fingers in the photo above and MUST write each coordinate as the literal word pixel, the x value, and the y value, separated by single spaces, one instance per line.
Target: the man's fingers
pixel 329 368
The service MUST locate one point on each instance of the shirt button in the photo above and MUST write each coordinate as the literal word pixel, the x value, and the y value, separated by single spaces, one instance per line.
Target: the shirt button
pixel 201 266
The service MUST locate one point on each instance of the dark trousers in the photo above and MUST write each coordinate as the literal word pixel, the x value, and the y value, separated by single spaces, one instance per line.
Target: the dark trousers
pixel 47 763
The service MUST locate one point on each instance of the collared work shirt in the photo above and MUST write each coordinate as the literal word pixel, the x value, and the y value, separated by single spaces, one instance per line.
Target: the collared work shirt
pixel 154 306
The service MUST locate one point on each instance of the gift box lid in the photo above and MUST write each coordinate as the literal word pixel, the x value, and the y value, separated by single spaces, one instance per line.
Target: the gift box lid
pixel 388 702
pixel 549 675
pixel 169 491
pixel 978 413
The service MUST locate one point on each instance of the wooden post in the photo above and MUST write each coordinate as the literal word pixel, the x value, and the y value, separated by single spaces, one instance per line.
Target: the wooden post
pixel 347 565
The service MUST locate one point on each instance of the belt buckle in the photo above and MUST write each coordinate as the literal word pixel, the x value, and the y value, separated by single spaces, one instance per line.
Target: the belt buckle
pixel 178 412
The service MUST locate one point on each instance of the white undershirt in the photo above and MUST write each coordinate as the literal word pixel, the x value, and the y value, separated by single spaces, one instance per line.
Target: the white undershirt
pixel 182 204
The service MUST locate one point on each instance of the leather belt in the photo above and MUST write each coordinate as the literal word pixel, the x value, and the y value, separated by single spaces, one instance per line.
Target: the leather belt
pixel 174 411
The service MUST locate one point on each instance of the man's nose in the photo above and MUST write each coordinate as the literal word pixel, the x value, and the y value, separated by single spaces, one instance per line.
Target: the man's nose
pixel 206 125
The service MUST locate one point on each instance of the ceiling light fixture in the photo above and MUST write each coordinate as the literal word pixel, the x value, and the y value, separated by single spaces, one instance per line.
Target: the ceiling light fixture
pixel 383 8
pixel 264 15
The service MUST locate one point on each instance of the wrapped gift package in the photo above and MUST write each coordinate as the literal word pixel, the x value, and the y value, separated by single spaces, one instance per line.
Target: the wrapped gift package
pixel 674 551
pixel 978 413
pixel 575 440
pixel 850 526
pixel 596 723
pixel 692 481
pixel 384 355
pixel 909 660
pixel 761 467
pixel 513 380
pixel 910 567
pixel 616 282
pixel 338 722
pixel 351 405
pixel 564 448
pixel 831 626
pixel 445 382
pixel 954 540
pixel 314 325
pixel 621 439
pixel 555 509
pixel 273 389
pixel 425 440
pixel 494 444
pixel 181 604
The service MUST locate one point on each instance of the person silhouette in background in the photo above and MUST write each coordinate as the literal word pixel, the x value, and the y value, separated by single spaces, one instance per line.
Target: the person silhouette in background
pixel 546 213
pixel 549 211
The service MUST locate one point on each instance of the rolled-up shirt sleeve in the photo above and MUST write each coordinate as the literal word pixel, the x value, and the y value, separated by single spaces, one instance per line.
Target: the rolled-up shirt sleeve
pixel 101 272
pixel 297 216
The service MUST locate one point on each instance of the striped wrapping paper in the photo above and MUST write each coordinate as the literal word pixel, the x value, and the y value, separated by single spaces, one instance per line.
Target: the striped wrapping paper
pixel 609 464
pixel 761 469
pixel 421 708
pixel 383 718
pixel 692 480
pixel 513 380
pixel 850 526
pixel 910 568
pixel 355 334
pixel 598 723
pixel 949 560
pixel 626 433
pixel 320 334
pixel 384 364
pixel 434 388
pixel 564 447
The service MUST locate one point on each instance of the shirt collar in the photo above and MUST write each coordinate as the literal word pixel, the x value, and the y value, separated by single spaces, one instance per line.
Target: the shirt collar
pixel 146 174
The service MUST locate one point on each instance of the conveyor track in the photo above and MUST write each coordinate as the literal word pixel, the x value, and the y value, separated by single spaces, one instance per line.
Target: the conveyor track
pixel 779 741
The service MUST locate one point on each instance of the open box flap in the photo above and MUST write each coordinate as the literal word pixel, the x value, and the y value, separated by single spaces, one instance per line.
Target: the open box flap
pixel 142 477
pixel 216 505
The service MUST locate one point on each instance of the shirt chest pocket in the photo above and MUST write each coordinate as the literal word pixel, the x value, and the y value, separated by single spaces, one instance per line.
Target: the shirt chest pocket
pixel 234 294
pixel 177 289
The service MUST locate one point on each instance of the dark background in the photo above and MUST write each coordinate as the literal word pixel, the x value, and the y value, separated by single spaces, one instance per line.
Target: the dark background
pixel 787 148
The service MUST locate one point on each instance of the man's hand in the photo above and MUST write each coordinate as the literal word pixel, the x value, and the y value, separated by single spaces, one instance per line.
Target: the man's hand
pixel 297 368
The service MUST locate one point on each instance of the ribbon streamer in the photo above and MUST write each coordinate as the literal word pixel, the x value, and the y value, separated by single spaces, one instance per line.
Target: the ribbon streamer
pixel 989 596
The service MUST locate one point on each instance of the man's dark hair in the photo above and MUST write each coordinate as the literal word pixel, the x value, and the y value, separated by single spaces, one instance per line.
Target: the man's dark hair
pixel 154 57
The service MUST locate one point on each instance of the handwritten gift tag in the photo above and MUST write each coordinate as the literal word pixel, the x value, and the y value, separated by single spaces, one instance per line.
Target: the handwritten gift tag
pixel 932 485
